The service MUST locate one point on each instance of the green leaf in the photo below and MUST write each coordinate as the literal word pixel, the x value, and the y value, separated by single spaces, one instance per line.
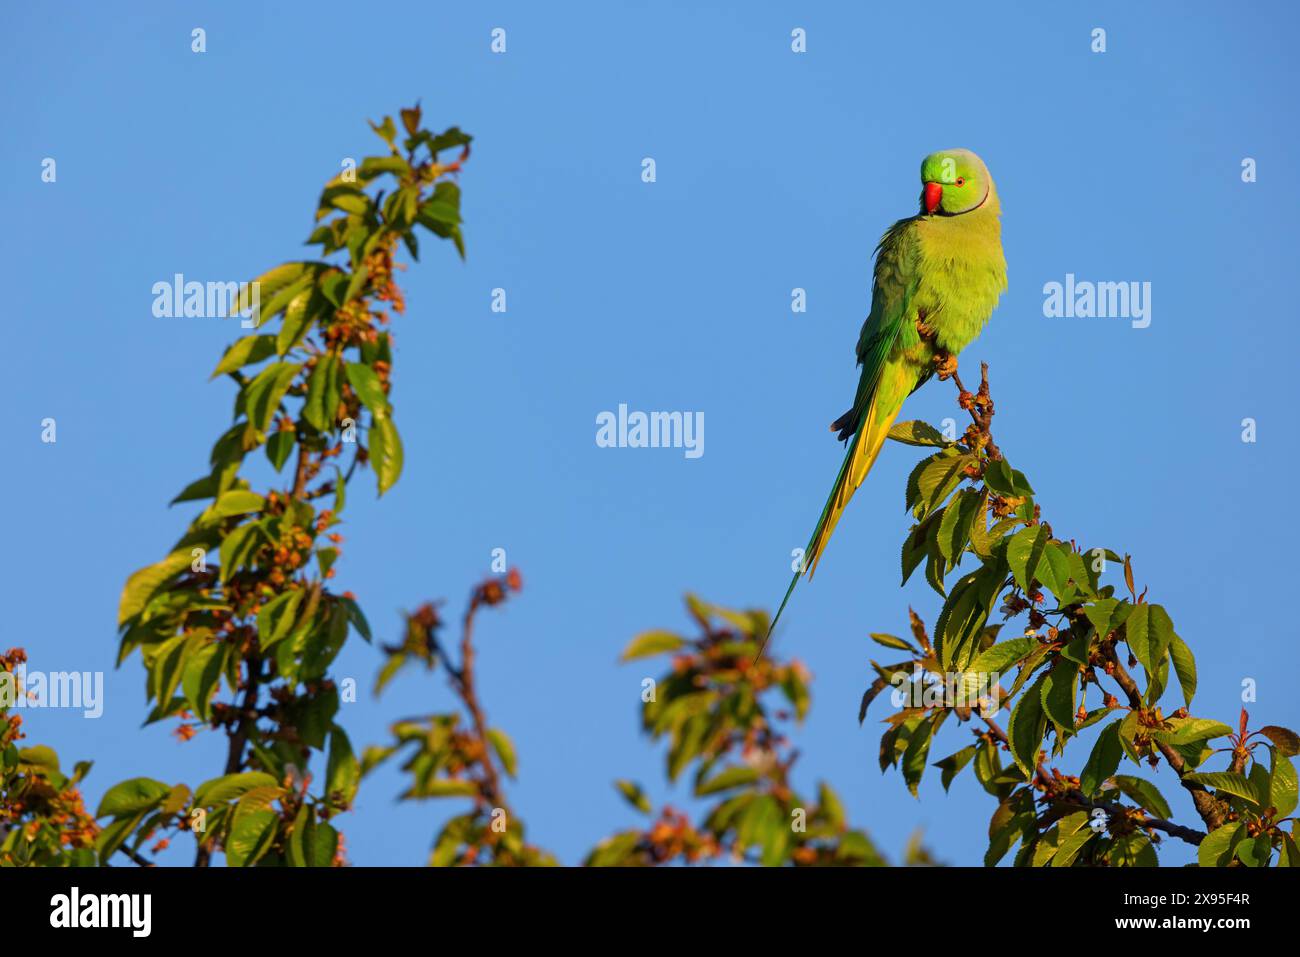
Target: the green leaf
pixel 428 218
pixel 244 352
pixel 166 665
pixel 1072 843
pixel 1103 761
pixel 505 750
pixel 263 395
pixel 317 844
pixel 1184 667
pixel 1025 551
pixel 1289 852
pixel 439 211
pixel 634 795
pixel 953 764
pixel 1056 571
pixel 1216 848
pixel 206 487
pixel 1001 478
pixel 385 453
pixel 322 394
pixel 373 166
pixel 982 538
pixel 276 618
pixel 1227 781
pixel 143 584
pixel 226 788
pixel 650 643
pixel 934 480
pixel 356 616
pixel 238 548
pixel 298 315
pixel 1150 633
pixel 955 527
pixel 344 196
pixel 829 805
pixel 234 502
pixel 131 797
pixel 356 283
pixel 918 749
pixel 449 138
pixel 1282 785
pixel 890 641
pixel 1107 614
pixel 268 284
pixel 727 779
pixel 251 835
pixel 333 285
pixel 613 851
pixel 962 621
pixel 343 771
pixel 1254 852
pixel 1013 820
pixel 320 844
pixel 1160 635
pixel 1189 730
pixel 367 386
pixel 1077 648
pixel 1000 657
pixel 1059 694
pixel 322 637
pixel 279 447
pixel 201 676
pixel 1028 725
pixel 1145 794
pixel 445 787
pixel 988 768
pixel 114 835
pixel 313 716
pixel 918 543
pixel 917 432
pixel 1133 850
pixel 40 757
pixel 1028 667
pixel 295 852
pixel 278 302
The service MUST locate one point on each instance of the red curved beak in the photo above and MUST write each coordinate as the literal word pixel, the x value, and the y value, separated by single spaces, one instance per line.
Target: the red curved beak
pixel 932 196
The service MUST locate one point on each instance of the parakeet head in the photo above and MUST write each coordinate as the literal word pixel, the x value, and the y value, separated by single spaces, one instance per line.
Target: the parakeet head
pixel 955 182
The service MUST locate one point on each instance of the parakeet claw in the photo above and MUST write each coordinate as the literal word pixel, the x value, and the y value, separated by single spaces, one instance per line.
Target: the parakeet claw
pixel 944 365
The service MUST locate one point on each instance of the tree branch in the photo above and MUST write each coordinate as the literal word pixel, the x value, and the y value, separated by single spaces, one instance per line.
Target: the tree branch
pixel 139 859
pixel 1190 835
pixel 1212 811
pixel 980 406
pixel 464 679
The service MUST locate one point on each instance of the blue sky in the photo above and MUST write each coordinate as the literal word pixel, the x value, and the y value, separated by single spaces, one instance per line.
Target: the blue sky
pixel 774 171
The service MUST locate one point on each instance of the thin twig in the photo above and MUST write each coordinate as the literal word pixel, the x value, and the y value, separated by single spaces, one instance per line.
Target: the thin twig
pixel 1212 811
pixel 1190 835
pixel 469 695
pixel 995 728
pixel 980 409
pixel 135 856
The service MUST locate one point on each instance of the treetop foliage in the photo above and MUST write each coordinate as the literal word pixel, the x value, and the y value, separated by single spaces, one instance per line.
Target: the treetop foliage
pixel 237 628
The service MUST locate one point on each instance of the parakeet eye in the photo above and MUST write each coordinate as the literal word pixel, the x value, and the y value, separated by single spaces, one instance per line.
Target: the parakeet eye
pixel 961 181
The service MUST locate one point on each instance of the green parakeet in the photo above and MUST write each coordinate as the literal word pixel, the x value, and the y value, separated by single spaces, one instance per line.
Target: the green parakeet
pixel 938 277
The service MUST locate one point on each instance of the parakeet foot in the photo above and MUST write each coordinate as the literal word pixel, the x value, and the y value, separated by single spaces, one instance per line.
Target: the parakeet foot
pixel 945 365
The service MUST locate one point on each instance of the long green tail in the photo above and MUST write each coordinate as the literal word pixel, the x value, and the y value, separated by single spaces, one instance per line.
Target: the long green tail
pixel 863 449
